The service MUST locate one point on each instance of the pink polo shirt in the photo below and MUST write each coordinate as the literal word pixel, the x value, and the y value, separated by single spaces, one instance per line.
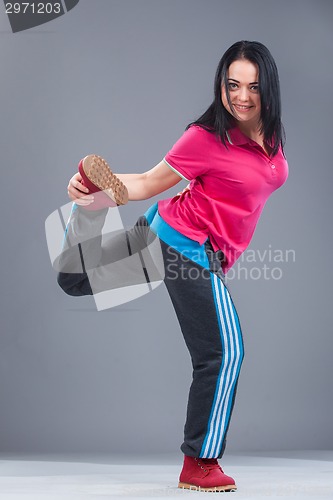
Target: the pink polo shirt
pixel 228 190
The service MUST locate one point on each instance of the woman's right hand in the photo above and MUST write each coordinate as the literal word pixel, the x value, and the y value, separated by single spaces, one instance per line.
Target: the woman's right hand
pixel 187 188
pixel 77 192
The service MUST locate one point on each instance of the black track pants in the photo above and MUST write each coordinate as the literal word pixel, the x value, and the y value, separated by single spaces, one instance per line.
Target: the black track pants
pixel 150 252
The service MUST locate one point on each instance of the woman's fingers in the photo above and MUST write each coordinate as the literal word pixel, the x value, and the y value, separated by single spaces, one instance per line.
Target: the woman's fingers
pixel 78 196
pixel 76 183
pixel 82 201
pixel 77 192
pixel 183 191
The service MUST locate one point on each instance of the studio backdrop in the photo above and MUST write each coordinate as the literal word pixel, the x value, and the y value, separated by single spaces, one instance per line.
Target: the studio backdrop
pixel 122 79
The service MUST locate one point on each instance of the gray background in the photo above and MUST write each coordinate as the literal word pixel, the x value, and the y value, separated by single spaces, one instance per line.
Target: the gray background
pixel 123 78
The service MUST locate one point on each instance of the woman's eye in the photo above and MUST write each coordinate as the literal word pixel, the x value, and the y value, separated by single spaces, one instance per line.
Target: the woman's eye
pixel 234 86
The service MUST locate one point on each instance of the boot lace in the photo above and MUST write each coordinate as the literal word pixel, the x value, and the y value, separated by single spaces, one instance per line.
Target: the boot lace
pixel 208 464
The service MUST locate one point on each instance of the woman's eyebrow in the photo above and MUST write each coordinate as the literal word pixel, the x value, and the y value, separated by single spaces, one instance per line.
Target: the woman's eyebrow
pixel 233 79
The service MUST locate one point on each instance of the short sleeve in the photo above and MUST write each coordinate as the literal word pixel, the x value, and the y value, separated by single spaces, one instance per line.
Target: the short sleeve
pixel 188 157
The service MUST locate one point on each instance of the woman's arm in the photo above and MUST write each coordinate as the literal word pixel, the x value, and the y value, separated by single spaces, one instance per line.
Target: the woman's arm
pixel 139 186
pixel 150 183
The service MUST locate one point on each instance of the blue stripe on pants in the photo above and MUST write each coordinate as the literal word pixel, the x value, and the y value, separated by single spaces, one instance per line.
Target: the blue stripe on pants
pixel 232 345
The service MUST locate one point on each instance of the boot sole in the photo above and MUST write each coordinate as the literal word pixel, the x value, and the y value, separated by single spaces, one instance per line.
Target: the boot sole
pixel 216 489
pixel 99 173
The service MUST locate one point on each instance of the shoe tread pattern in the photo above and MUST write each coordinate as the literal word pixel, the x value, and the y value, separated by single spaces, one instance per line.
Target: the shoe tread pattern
pixel 99 173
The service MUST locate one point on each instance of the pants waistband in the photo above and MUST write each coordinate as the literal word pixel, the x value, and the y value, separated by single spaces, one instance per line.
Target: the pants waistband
pixel 184 245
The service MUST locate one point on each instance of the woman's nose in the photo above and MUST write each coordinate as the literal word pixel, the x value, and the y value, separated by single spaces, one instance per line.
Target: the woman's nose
pixel 243 94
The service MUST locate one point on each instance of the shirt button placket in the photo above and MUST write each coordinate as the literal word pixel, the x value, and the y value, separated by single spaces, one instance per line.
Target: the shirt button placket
pixel 273 170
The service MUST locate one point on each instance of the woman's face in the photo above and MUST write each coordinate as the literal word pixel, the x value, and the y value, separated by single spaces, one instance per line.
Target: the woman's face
pixel 243 85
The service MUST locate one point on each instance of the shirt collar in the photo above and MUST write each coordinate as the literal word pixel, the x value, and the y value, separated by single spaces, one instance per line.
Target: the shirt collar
pixel 237 138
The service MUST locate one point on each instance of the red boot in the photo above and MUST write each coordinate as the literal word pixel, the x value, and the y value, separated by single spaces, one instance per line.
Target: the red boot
pixel 99 179
pixel 204 474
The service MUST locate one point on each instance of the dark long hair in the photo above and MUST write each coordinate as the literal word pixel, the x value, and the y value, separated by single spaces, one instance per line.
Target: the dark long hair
pixel 218 120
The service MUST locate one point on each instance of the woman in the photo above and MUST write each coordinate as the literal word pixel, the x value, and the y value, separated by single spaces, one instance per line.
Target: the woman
pixel 233 157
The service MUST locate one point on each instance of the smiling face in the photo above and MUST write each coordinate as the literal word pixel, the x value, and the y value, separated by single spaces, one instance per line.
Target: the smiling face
pixel 243 86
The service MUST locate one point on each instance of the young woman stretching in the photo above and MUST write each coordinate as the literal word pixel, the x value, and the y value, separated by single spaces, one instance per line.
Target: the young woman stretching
pixel 233 158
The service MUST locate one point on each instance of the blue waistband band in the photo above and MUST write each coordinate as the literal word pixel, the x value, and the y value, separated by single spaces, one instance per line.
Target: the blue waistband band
pixel 184 245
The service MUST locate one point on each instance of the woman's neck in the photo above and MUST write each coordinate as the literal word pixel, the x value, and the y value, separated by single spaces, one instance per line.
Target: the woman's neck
pixel 253 133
